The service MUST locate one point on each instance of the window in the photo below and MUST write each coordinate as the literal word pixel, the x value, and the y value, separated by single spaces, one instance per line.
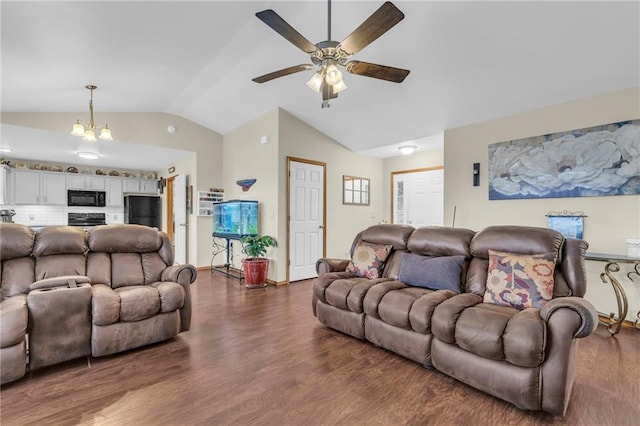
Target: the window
pixel 355 191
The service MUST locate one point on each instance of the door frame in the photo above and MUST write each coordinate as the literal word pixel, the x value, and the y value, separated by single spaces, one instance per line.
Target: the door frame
pixel 169 200
pixel 324 206
pixel 400 172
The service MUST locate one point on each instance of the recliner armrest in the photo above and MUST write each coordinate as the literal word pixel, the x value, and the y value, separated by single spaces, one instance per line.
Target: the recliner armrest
pixel 583 308
pixel 183 274
pixel 326 265
pixel 61 281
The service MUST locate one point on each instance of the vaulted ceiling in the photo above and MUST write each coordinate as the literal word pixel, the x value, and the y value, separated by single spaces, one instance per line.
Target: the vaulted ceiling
pixel 469 61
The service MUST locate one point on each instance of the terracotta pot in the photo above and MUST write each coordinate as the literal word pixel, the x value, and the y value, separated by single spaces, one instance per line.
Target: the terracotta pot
pixel 255 272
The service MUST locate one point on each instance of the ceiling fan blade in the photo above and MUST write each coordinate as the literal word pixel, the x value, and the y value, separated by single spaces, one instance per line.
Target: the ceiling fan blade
pixel 281 26
pixel 381 21
pixel 282 73
pixel 383 72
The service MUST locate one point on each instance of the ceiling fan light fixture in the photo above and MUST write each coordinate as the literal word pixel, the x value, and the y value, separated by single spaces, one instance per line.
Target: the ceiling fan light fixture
pixel 339 87
pixel 315 82
pixel 333 75
pixel 407 149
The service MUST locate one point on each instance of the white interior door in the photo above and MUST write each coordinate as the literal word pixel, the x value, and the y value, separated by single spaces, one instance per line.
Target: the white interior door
pixel 306 219
pixel 418 198
pixel 180 218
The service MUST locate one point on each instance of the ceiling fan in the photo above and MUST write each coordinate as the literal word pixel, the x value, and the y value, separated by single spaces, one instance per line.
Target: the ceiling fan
pixel 329 55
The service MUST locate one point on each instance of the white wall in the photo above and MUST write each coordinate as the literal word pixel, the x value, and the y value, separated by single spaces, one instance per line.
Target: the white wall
pixel 610 220
pixel 245 157
pixel 343 222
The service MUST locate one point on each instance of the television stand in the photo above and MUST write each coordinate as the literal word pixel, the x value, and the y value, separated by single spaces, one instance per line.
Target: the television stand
pixel 225 269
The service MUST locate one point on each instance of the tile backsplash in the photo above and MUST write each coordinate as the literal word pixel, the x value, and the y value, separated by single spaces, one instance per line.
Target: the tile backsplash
pixel 57 215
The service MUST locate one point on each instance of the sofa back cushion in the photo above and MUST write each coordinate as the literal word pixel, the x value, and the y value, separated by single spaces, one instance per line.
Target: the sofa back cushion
pixel 441 241
pixel 17 268
pixel 127 255
pixel 386 234
pixel 60 251
pixel 526 240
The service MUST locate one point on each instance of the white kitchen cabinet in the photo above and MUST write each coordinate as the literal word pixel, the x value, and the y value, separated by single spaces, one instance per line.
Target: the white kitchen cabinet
pixel 95 183
pixel 86 182
pixel 53 189
pixel 131 185
pixel 114 192
pixel 26 187
pixel 140 186
pixel 149 186
pixel 39 188
pixel 4 184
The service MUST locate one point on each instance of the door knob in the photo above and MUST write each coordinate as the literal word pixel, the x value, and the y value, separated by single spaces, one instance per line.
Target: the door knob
pixel 320 226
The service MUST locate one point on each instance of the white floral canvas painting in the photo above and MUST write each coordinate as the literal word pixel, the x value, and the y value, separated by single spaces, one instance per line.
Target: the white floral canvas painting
pixel 594 161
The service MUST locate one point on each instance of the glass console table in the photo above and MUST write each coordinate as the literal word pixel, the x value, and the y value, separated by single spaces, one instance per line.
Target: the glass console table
pixel 613 261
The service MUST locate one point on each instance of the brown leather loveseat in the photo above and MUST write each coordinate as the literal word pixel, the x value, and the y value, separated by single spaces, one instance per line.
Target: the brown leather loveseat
pixel 500 310
pixel 68 293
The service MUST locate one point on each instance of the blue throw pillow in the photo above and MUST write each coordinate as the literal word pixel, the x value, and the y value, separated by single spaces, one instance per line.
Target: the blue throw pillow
pixel 436 273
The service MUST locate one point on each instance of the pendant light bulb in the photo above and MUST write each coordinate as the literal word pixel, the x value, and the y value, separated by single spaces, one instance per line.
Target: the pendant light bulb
pixel 334 76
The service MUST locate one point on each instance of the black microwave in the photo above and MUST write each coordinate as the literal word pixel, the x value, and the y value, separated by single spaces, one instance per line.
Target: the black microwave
pixel 86 198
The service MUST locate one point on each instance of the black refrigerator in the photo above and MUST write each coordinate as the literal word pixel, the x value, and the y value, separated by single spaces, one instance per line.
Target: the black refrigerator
pixel 142 210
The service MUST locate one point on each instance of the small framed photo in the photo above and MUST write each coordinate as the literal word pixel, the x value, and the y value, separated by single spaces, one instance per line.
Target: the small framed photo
pixel 569 226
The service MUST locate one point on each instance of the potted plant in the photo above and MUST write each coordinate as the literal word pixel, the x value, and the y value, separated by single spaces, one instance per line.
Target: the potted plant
pixel 255 266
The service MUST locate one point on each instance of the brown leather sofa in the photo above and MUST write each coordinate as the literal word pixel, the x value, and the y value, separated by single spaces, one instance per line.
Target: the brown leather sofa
pixel 524 356
pixel 70 293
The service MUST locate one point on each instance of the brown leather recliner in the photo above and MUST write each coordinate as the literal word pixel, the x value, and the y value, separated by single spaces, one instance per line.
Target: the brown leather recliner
pixel 526 357
pixel 139 296
pixel 75 293
pixel 17 272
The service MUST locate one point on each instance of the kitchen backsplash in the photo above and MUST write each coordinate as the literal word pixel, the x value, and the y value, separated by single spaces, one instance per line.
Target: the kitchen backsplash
pixel 57 215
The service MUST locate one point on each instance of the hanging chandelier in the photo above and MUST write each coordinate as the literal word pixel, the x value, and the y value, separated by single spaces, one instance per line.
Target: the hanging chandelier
pixel 89 134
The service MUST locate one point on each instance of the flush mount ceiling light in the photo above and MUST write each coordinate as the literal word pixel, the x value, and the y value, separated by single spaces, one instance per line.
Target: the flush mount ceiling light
pixel 89 134
pixel 88 155
pixel 329 56
pixel 407 149
pixel 5 149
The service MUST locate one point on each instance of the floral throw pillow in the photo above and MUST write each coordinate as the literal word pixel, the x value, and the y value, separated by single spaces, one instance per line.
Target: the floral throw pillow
pixel 520 281
pixel 368 259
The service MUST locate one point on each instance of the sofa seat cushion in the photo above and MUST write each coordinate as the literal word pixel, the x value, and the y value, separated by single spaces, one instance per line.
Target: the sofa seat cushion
pixel 404 306
pixel 348 293
pixel 498 332
pixel 134 303
pixel 138 302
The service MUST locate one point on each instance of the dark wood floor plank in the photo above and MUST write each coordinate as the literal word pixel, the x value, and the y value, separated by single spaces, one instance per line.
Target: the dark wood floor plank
pixel 259 357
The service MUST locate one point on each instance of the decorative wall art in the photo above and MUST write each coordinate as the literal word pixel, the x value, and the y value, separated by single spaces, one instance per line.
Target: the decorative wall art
pixel 594 161
pixel 355 190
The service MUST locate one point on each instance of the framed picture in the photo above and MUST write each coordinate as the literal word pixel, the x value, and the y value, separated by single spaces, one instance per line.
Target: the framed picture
pixel 569 226
pixel 589 162
pixel 355 190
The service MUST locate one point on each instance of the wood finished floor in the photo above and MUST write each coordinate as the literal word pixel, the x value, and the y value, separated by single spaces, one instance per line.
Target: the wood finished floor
pixel 259 357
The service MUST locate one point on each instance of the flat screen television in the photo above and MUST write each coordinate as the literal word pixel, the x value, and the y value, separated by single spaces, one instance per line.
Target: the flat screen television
pixel 235 219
